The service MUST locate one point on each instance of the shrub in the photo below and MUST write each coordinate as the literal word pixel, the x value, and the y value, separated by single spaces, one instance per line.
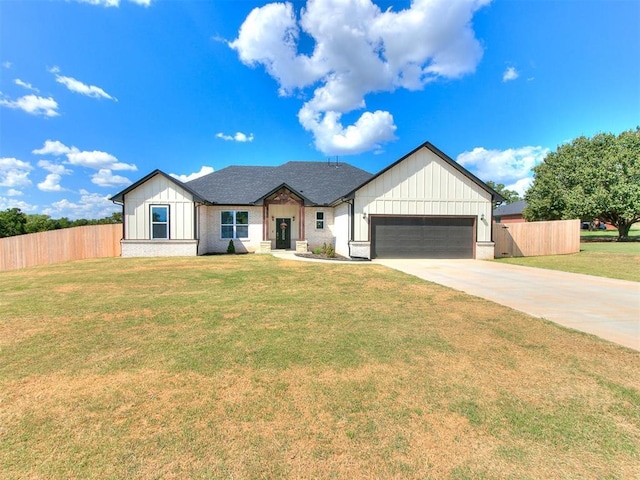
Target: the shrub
pixel 231 248
pixel 331 253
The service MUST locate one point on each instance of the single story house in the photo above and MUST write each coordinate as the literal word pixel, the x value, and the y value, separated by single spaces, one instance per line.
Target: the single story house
pixel 424 205
pixel 510 212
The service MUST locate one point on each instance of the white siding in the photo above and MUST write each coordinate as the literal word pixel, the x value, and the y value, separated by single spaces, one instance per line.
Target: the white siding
pixel 422 184
pixel 158 191
pixel 342 227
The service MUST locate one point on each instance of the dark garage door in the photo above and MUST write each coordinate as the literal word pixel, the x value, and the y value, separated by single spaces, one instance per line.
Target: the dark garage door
pixel 421 237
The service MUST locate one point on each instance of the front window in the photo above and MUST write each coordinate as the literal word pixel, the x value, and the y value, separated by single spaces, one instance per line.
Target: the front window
pixel 234 224
pixel 160 221
pixel 319 220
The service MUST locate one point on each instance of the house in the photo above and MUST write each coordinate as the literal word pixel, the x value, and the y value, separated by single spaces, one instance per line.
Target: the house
pixel 424 205
pixel 510 212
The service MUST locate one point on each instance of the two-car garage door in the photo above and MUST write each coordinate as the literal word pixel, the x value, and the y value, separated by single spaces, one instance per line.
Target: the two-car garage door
pixel 422 237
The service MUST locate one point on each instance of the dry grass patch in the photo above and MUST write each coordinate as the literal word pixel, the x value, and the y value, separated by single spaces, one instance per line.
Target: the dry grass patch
pixel 297 370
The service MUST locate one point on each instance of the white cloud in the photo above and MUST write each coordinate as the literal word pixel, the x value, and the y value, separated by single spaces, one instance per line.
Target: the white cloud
pixel 511 167
pixel 510 74
pixel 238 137
pixel 7 65
pixel 12 192
pixel 14 172
pixel 430 40
pixel 114 3
pixel 98 160
pixel 52 147
pixel 78 87
pixel 13 203
pixel 54 167
pixel 33 104
pixel 90 205
pixel 90 159
pixel 367 133
pixel 105 178
pixel 192 176
pixel 51 183
pixel 26 85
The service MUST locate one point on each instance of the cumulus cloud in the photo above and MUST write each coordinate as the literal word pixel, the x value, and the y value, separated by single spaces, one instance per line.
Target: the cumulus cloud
pixel 33 104
pixel 90 159
pixel 12 192
pixel 510 74
pixel 90 205
pixel 54 167
pixel 114 3
pixel 192 176
pixel 51 183
pixel 511 167
pixel 357 50
pixel 238 137
pixel 26 85
pixel 78 87
pixel 14 172
pixel 13 203
pixel 106 178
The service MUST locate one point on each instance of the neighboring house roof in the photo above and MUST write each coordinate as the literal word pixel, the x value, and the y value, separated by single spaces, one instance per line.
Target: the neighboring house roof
pixel 495 195
pixel 119 197
pixel 318 183
pixel 514 208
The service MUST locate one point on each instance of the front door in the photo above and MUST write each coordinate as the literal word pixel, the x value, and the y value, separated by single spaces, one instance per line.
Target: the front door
pixel 283 233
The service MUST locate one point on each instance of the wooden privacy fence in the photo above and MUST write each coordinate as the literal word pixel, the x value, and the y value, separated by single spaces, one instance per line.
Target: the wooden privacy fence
pixel 529 239
pixel 63 245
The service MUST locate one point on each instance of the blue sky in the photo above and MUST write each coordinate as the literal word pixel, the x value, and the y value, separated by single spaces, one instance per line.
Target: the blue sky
pixel 96 94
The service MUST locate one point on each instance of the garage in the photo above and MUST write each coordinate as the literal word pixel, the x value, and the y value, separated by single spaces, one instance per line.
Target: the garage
pixel 422 237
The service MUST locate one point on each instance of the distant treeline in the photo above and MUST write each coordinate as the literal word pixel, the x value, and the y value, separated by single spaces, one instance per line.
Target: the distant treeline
pixel 15 222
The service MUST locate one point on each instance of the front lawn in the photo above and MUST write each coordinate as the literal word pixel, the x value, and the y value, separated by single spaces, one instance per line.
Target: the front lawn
pixel 619 260
pixel 253 367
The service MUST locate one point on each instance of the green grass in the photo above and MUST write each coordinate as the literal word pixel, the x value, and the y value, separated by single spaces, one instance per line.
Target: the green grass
pixel 254 367
pixel 620 260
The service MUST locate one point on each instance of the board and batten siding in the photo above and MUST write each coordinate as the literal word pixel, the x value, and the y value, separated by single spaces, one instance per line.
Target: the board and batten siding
pixel 159 191
pixel 422 184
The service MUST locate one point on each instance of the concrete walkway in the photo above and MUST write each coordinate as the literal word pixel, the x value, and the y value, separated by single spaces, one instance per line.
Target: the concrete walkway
pixel 604 307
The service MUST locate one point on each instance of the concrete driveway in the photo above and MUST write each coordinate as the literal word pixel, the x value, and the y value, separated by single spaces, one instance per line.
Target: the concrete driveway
pixel 604 307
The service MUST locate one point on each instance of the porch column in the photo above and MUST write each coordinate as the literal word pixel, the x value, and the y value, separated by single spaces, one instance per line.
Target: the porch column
pixel 265 222
pixel 301 232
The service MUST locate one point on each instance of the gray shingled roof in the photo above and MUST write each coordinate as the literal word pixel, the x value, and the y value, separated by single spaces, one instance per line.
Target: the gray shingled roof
pixel 320 183
pixel 514 208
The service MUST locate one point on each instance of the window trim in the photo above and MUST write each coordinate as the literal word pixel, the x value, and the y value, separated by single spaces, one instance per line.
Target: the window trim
pixel 152 223
pixel 235 225
pixel 323 220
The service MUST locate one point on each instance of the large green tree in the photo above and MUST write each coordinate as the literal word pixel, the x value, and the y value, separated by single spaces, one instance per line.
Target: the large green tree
pixel 12 222
pixel 510 196
pixel 589 178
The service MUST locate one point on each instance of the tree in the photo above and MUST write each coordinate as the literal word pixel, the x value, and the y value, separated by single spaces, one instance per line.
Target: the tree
pixel 12 222
pixel 39 223
pixel 510 196
pixel 589 178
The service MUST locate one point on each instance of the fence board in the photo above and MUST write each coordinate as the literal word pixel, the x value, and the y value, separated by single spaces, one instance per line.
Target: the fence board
pixel 529 239
pixel 77 243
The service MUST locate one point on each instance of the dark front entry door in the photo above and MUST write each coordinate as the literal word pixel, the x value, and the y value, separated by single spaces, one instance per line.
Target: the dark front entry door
pixel 283 233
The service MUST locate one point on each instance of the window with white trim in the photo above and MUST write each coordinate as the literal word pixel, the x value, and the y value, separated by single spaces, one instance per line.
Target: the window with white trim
pixel 160 222
pixel 319 220
pixel 234 224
